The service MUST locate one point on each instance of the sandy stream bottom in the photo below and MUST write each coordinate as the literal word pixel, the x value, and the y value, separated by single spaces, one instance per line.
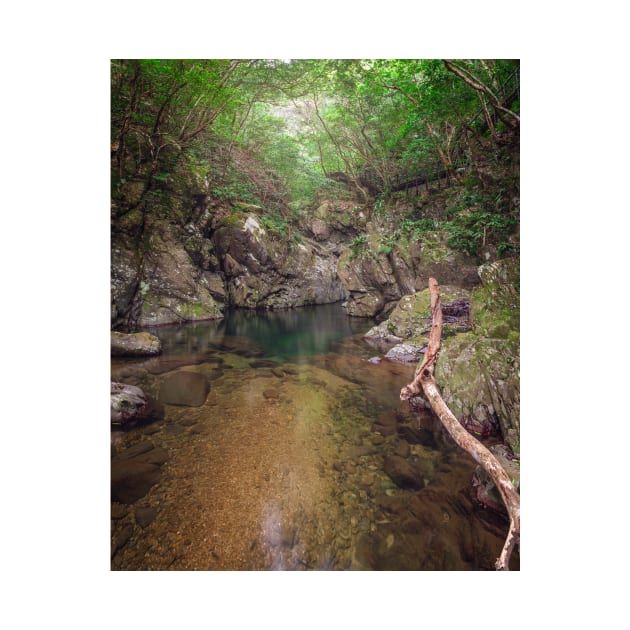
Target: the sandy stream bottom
pixel 283 473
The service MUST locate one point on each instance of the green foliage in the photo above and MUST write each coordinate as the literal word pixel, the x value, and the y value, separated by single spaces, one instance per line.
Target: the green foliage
pixel 417 227
pixel 468 230
pixel 274 222
pixel 269 132
pixel 358 245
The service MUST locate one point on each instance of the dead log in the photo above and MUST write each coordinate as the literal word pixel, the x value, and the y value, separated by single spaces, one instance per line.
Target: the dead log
pixel 424 381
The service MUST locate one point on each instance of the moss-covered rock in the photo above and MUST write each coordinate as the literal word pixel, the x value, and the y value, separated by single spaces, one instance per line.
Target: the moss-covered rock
pixel 480 381
pixel 335 221
pixel 438 260
pixel 495 305
pixel 142 344
pixel 412 315
pixel 174 289
pixel 479 371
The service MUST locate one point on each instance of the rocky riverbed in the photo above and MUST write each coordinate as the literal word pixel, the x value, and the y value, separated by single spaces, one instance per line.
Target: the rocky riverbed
pixel 311 465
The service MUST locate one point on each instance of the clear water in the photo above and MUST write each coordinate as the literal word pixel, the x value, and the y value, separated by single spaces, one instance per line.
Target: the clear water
pixel 295 461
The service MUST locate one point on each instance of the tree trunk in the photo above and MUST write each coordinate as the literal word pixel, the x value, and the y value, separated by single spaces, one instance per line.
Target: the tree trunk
pixel 510 118
pixel 424 381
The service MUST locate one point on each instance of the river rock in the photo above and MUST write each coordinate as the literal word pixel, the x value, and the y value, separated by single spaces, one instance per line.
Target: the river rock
pixel 129 404
pixel 134 344
pixel 184 388
pixel 145 515
pixel 386 424
pixel 408 352
pixel 132 479
pixel 122 538
pixel 403 473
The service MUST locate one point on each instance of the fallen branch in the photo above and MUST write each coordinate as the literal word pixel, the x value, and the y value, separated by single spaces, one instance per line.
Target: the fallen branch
pixel 425 382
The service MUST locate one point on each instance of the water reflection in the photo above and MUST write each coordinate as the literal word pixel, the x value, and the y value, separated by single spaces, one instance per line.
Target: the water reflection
pixel 286 334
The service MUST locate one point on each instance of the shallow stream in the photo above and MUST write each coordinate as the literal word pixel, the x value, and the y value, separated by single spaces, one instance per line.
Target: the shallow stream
pixel 301 457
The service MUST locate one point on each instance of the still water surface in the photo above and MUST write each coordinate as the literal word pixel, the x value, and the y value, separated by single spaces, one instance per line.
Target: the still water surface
pixel 301 457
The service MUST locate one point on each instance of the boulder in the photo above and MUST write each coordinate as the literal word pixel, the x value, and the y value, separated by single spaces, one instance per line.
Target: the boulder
pixel 408 352
pixel 189 389
pixel 404 473
pixel 132 479
pixel 145 515
pixel 134 344
pixel 412 315
pixel 264 269
pixel 478 372
pixel 130 405
pixel 135 470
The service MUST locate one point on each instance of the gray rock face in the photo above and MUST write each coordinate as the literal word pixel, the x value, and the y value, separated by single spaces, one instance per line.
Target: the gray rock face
pixel 130 404
pixel 378 272
pixel 184 388
pixel 163 284
pixel 335 221
pixel 267 270
pixel 134 344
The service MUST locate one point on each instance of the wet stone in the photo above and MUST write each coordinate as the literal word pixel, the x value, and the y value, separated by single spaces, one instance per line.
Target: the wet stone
pixel 402 473
pixel 145 515
pixel 174 429
pixel 184 388
pixel 137 449
pixel 414 435
pixel 122 538
pixel 188 422
pixel 402 449
pixel 118 511
pixel 264 364
pixel 131 480
pixel 156 456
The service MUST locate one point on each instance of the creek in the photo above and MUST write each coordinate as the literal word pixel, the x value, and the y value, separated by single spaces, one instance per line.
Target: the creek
pixel 301 457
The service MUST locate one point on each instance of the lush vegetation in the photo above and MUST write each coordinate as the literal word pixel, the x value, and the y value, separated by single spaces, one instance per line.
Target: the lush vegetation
pixel 285 134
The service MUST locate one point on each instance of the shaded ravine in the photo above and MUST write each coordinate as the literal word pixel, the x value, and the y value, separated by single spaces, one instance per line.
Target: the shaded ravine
pixel 281 468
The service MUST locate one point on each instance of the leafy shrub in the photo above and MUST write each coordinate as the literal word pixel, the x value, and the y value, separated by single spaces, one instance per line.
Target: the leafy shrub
pixel 467 231
pixel 358 244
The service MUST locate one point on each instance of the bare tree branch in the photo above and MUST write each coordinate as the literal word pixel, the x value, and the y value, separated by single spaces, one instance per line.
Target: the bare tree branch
pixel 509 117
pixel 424 381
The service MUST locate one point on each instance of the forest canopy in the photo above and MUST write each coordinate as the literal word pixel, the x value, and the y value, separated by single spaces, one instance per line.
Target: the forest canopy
pixel 311 123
